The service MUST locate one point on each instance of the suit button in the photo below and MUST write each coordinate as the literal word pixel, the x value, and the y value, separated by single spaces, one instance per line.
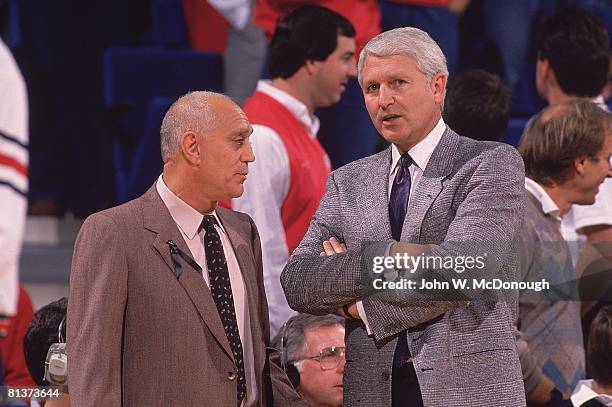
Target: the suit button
pixel 231 376
pixel 385 375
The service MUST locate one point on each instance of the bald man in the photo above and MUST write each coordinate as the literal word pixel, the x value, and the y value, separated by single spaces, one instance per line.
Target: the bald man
pixel 167 306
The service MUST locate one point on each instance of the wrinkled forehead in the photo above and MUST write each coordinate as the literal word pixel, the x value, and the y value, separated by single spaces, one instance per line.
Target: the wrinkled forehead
pixel 321 337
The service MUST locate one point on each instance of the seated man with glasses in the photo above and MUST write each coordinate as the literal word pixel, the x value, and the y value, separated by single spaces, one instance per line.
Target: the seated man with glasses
pixel 312 354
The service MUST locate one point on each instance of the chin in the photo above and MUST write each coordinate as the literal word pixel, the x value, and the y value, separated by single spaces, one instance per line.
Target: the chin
pixel 236 194
pixel 587 200
pixel 393 137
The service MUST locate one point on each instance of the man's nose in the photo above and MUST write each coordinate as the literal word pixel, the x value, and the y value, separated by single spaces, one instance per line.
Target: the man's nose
pixel 341 364
pixel 385 97
pixel 248 155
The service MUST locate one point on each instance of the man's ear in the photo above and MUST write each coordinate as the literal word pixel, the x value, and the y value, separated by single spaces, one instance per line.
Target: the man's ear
pixel 312 66
pixel 546 72
pixel 438 87
pixel 190 147
pixel 580 165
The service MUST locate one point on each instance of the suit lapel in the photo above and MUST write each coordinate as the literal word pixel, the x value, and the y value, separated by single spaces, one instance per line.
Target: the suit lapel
pixel 373 200
pixel 430 185
pixel 157 219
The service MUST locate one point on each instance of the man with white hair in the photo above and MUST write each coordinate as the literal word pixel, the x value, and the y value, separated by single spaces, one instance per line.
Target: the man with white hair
pixel 167 306
pixel 431 194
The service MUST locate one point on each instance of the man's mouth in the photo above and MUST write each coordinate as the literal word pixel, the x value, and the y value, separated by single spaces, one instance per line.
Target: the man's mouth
pixel 388 118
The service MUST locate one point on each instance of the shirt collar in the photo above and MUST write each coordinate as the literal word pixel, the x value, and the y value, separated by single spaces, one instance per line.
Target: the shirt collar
pixel 549 207
pixel 421 153
pixel 601 102
pixel 584 392
pixel 295 106
pixel 186 218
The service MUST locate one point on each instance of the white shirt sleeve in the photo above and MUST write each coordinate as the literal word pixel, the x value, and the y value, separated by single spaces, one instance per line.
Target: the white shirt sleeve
pixel 600 213
pixel 236 12
pixel 265 191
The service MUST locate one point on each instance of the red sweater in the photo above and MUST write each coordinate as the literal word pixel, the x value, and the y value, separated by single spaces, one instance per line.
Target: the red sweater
pixel 363 14
pixel 433 3
pixel 12 331
pixel 308 164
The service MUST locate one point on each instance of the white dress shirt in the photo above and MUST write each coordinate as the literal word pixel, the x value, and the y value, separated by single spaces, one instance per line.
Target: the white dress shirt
pixel 584 392
pixel 188 220
pixel 420 154
pixel 549 207
pixel 264 194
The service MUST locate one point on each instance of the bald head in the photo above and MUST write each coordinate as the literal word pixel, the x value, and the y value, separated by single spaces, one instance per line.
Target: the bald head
pixel 196 112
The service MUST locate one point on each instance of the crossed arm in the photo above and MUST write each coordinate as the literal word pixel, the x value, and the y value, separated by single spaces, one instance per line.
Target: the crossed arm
pixel 489 213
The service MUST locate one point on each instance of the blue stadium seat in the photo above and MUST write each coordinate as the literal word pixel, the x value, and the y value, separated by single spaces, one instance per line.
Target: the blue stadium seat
pixel 146 163
pixel 135 83
pixel 168 24
pixel 515 131
pixel 525 101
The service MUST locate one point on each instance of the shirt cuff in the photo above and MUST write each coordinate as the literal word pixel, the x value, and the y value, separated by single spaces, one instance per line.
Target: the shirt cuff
pixel 360 308
pixel 362 315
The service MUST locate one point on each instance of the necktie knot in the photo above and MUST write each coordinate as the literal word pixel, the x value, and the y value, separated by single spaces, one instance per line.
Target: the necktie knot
pixel 403 169
pixel 209 222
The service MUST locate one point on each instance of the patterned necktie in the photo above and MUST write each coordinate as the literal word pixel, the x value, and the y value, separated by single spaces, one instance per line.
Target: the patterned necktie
pixel 400 192
pixel 398 203
pixel 221 290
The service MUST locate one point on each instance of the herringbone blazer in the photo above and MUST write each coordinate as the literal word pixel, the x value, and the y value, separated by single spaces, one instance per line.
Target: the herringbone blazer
pixel 140 336
pixel 469 200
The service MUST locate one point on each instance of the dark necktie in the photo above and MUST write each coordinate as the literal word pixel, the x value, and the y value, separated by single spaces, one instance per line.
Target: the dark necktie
pixel 398 203
pixel 221 291
pixel 400 192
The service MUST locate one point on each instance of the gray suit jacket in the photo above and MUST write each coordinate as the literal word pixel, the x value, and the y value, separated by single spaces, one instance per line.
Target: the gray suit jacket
pixel 469 201
pixel 138 336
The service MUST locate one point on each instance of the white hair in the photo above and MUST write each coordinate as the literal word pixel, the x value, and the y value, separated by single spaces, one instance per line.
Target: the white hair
pixel 191 112
pixel 409 41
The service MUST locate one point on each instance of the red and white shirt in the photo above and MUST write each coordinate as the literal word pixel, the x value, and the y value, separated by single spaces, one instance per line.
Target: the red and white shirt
pixel 284 185
pixel 13 176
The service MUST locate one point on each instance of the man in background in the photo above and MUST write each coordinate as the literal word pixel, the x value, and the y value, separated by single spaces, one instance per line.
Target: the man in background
pixel 478 105
pixel 566 151
pixel 311 59
pixel 573 61
pixel 48 327
pixel 312 355
pixel 598 390
pixel 13 177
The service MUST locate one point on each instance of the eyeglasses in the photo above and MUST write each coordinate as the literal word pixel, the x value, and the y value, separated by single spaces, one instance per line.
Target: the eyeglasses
pixel 329 358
